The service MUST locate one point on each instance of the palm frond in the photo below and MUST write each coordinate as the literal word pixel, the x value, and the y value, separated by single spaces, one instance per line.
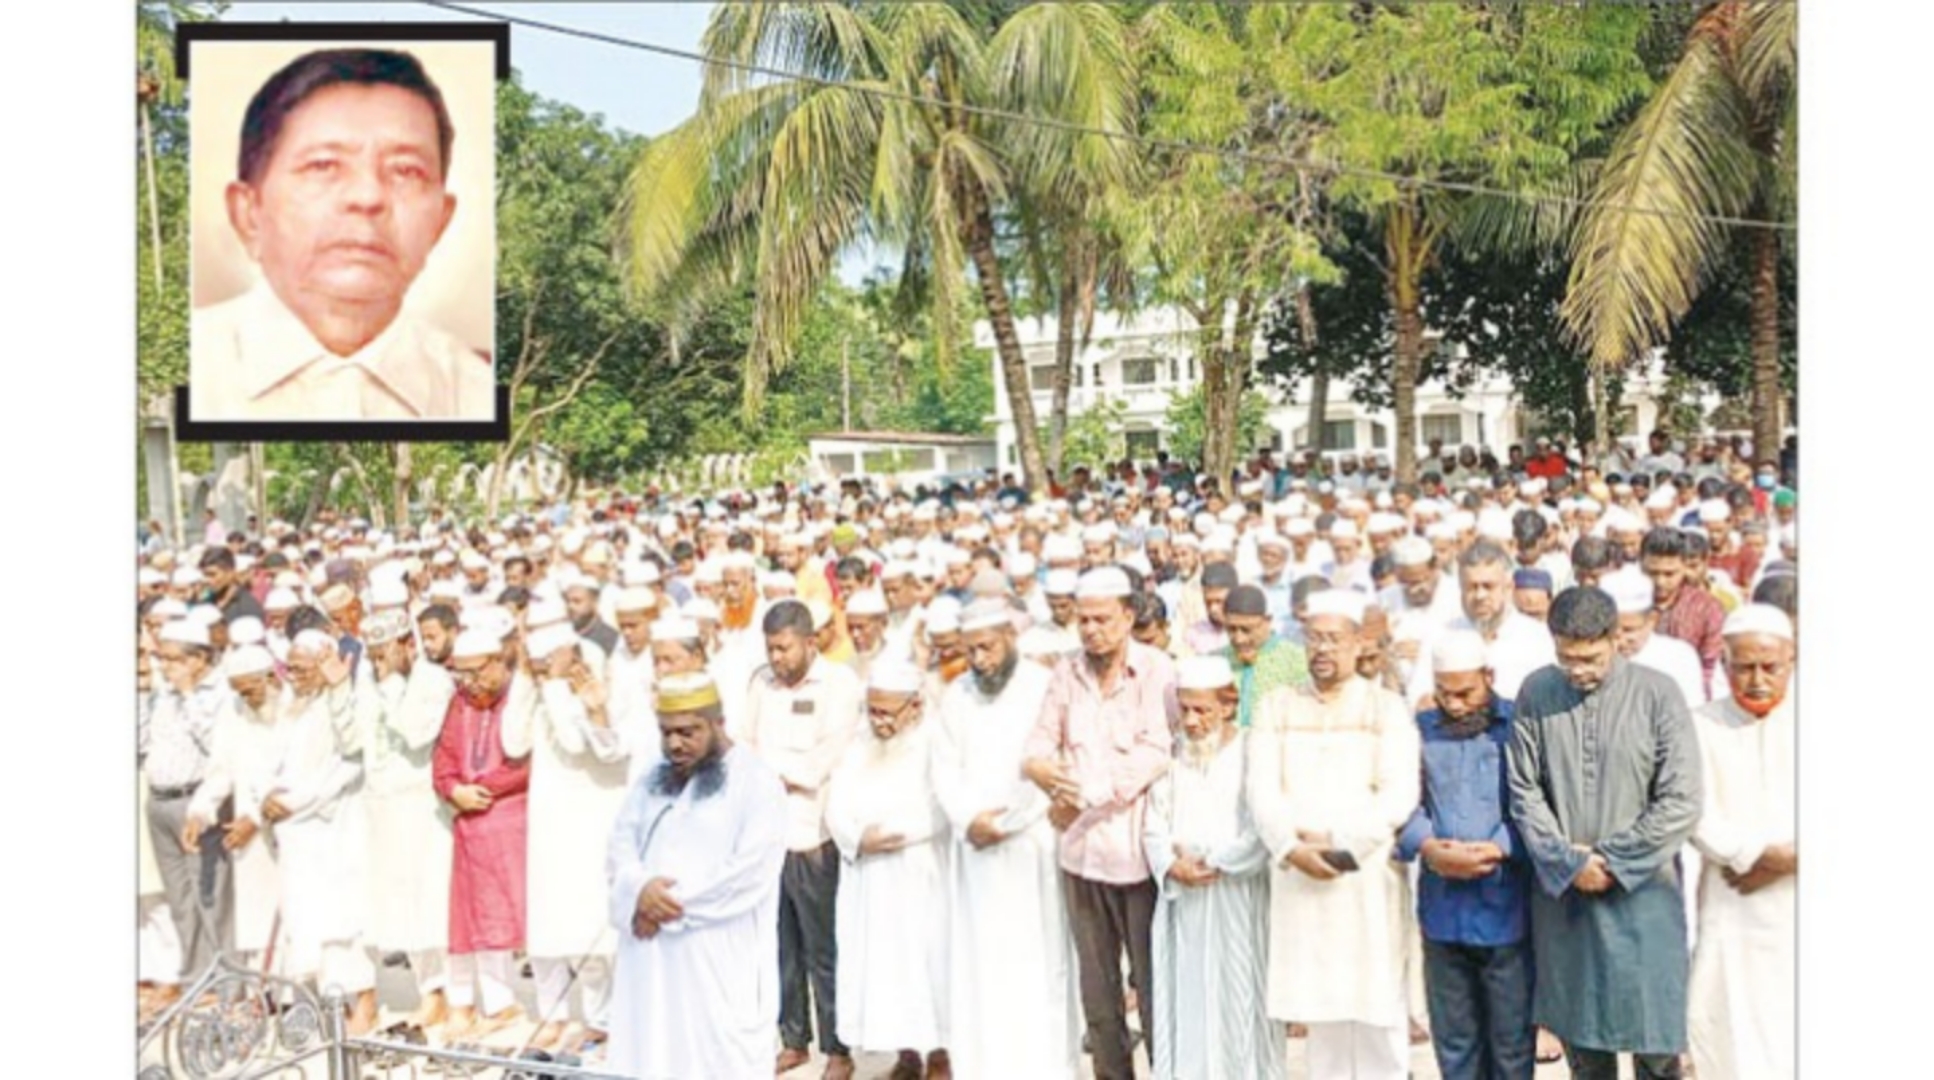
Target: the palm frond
pixel 1683 158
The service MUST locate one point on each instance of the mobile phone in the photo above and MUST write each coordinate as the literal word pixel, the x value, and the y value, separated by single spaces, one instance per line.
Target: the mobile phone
pixel 1339 859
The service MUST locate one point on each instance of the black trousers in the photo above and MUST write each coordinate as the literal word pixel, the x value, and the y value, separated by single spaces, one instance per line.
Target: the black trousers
pixel 808 950
pixel 1480 1010
pixel 201 898
pixel 1106 919
pixel 1603 1065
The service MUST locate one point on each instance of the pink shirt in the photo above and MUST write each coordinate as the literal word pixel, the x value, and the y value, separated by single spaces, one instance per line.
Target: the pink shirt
pixel 1115 746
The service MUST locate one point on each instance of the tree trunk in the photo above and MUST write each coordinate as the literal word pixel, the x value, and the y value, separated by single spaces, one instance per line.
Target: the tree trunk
pixel 154 199
pixel 497 470
pixel 1000 316
pixel 1067 313
pixel 1222 398
pixel 1602 433
pixel 1767 397
pixel 258 471
pixel 400 477
pixel 1319 394
pixel 1406 271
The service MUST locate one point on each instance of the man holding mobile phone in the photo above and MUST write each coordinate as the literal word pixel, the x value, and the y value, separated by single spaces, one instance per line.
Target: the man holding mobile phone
pixel 1333 773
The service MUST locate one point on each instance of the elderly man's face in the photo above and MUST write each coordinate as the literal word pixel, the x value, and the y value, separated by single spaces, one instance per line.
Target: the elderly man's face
pixel 350 202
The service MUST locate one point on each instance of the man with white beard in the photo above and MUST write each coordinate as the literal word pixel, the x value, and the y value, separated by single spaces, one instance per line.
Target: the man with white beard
pixel 1011 974
pixel 315 804
pixel 577 784
pixel 1212 914
pixel 866 623
pixel 892 903
pixel 244 751
pixel 1740 997
pixel 403 702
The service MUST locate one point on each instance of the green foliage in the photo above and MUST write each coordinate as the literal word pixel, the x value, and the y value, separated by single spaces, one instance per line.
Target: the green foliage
pixel 1185 422
pixel 1095 437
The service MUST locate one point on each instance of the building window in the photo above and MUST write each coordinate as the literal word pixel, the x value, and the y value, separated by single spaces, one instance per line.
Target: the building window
pixel 1140 371
pixel 838 464
pixel 1339 435
pixel 1142 445
pixel 1449 429
pixel 1041 379
pixel 1379 436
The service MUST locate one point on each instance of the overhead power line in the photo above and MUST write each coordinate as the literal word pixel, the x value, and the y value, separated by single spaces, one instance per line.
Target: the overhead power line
pixel 1153 142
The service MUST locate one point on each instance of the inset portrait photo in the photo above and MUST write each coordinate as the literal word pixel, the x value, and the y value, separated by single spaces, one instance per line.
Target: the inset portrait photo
pixel 343 231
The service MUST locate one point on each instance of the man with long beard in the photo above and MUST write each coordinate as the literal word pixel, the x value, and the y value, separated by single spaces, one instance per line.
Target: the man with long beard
pixel 475 772
pixel 1011 979
pixel 693 864
pixel 1212 915
pixel 1740 1017
pixel 892 966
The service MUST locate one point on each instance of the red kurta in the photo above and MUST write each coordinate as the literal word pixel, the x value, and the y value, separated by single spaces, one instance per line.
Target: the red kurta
pixel 487 867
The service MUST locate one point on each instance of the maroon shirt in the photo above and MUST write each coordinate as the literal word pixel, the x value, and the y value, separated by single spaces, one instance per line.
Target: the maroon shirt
pixel 1696 618
pixel 487 869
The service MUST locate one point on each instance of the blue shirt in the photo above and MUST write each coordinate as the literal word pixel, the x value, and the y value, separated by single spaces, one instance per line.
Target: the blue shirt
pixel 1465 796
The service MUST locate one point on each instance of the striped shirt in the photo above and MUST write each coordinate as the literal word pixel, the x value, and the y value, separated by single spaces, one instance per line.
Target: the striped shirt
pixel 178 730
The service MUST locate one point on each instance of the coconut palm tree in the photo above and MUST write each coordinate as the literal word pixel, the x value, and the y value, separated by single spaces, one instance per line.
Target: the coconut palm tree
pixel 874 138
pixel 1718 138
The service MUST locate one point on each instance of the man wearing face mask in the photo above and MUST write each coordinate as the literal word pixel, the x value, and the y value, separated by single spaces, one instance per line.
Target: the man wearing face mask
pixel 1605 790
pixel 1744 968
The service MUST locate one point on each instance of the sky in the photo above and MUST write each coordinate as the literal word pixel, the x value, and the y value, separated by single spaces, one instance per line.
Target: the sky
pixel 639 92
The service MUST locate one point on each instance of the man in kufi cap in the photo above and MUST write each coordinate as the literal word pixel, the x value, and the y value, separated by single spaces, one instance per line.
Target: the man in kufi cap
pixel 693 865
pixel 1261 660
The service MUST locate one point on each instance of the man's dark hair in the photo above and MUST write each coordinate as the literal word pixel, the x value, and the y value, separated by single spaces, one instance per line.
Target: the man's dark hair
pixel 1406 488
pixel 740 540
pixel 1483 552
pixel 988 552
pixel 1782 591
pixel 514 596
pixel 217 558
pixel 519 560
pixel 288 88
pixel 1528 529
pixel 683 550
pixel 1148 609
pixel 308 618
pixel 851 568
pixel 236 536
pixel 1301 589
pixel 1697 545
pixel 1219 575
pixel 1663 542
pixel 1382 566
pixel 1711 487
pixel 1325 521
pixel 1583 613
pixel 788 616
pixel 1594 553
pixel 275 560
pixel 441 614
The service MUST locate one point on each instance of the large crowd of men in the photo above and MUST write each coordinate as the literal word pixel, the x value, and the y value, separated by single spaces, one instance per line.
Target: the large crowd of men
pixel 986 782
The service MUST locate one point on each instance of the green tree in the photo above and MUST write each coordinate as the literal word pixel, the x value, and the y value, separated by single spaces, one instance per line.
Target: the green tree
pixel 1503 97
pixel 1719 138
pixel 1187 428
pixel 775 177
pixel 1095 436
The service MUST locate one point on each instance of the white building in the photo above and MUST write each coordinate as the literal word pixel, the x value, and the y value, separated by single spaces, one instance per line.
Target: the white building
pixel 1142 360
pixel 909 457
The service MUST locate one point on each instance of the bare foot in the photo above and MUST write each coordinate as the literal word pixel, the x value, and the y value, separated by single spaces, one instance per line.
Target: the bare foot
pixel 431 1011
pixel 789 1059
pixel 939 1066
pixel 490 1025
pixel 1299 1031
pixel 362 1016
pixel 548 1036
pixel 461 1024
pixel 1419 1034
pixel 1549 1048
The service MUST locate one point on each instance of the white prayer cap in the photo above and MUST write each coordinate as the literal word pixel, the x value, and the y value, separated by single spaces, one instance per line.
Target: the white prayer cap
pixel 1412 551
pixel 1631 590
pixel 943 616
pixel 1619 519
pixel 778 579
pixel 1203 523
pixel 699 609
pixel 470 560
pixel 149 576
pixel 446 590
pixel 471 643
pixel 739 560
pixel 388 592
pixel 866 602
pixel 186 578
pixel 986 614
pixel 674 628
pixel 336 597
pixel 1383 501
pixel 443 558
pixel 247 660
pixel 1062 582
pixel 1232 514
pixel 1758 619
pixel 1060 547
pixel 1221 540
pixel 1138 562
pixel 1462 520
pixel 1343 529
pixel 1203 673
pixel 1713 511
pixel 1187 540
pixel 313 641
pixel 1354 505
pixel 1299 526
pixel 1347 603
pixel 1102 533
pixel 549 640
pixel 903 549
pixel 205 614
pixel 953 556
pixel 640 573
pixel 1494 524
pixel 490 618
pixel 280 599
pixel 821 613
pixel 1660 499
pixel 1272 538
pixel 1459 650
pixel 708 572
pixel 185 632
pixel 1533 487
pixel 895 676
pixel 924 512
pixel 636 598
pixel 1385 523
pixel 1589 505
pixel 1103 582
pixel 1021 564
pixel 247 630
pixel 385 626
